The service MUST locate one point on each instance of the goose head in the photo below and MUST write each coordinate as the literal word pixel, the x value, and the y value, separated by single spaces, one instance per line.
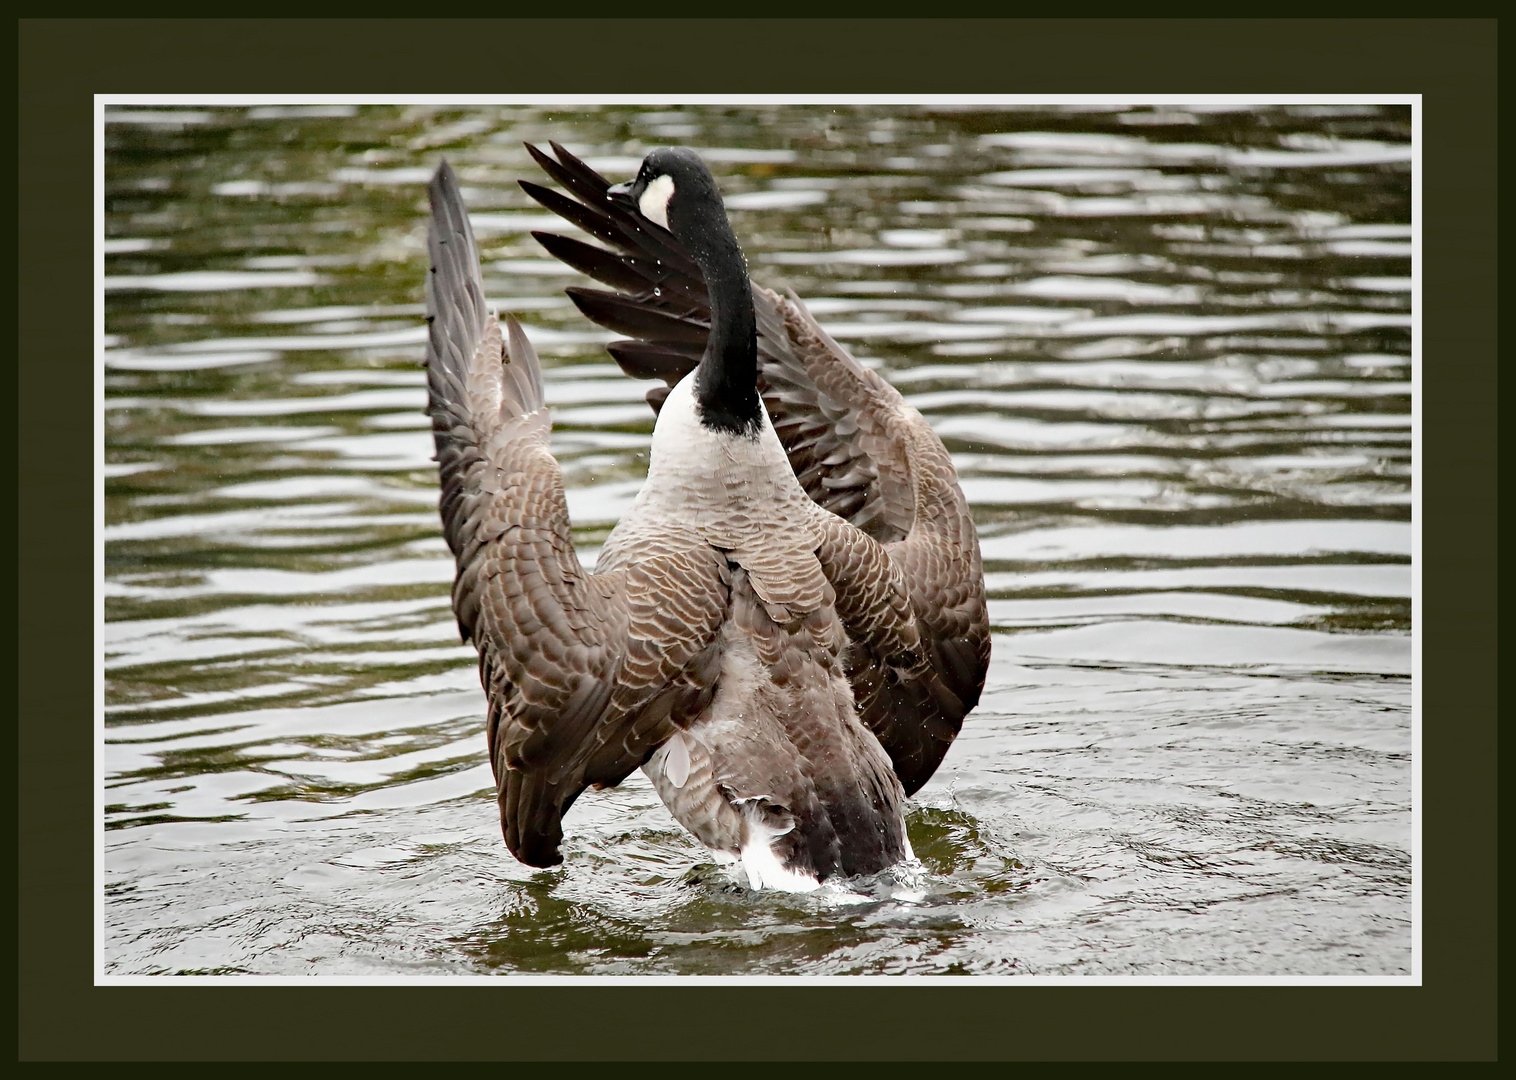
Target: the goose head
pixel 674 181
pixel 675 191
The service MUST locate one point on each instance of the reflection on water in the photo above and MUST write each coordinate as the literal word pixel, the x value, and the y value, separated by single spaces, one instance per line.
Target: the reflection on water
pixel 1169 349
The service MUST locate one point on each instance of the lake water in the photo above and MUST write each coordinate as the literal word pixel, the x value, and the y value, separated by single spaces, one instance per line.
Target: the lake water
pixel 1169 349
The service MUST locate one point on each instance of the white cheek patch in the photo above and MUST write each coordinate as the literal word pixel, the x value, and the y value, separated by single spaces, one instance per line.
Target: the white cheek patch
pixel 654 203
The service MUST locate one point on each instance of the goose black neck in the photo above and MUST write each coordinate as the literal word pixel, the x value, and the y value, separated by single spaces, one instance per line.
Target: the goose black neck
pixel 726 382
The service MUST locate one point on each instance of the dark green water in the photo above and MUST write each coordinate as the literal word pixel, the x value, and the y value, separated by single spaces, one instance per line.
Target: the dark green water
pixel 1169 348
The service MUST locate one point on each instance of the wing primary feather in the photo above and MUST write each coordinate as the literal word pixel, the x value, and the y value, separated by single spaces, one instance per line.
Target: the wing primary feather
pixel 656 397
pixel 531 817
pixel 626 316
pixel 593 222
pixel 642 360
pixel 618 272
pixel 571 172
pixel 523 369
pixel 592 188
pixel 455 290
pixel 635 231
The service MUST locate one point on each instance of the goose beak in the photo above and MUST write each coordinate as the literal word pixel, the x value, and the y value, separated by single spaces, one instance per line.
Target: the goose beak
pixel 621 194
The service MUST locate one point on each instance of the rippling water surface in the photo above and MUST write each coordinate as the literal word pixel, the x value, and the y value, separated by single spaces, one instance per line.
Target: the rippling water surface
pixel 1169 348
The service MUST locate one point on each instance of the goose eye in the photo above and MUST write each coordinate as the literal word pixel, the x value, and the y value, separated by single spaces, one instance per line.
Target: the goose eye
pixel 654 202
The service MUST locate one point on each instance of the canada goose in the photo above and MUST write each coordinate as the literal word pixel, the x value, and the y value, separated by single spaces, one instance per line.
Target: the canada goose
pixel 786 629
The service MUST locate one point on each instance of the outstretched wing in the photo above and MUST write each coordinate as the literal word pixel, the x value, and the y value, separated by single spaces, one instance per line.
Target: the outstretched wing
pixel 587 675
pixel 857 448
